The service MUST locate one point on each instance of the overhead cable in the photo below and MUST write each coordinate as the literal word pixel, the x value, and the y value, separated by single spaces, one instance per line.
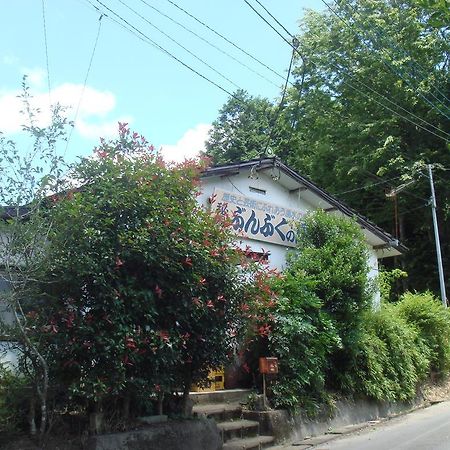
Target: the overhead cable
pixel 206 41
pixel 180 45
pixel 413 63
pixel 225 38
pixel 387 63
pixel 368 186
pixel 84 83
pixel 280 105
pixel 46 53
pixel 142 36
pixel 340 69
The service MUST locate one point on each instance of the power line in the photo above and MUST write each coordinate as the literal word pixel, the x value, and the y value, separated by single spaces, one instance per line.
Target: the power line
pixel 225 38
pixel 206 41
pixel 273 17
pixel 46 53
pixel 360 82
pixel 85 83
pixel 387 64
pixel 270 25
pixel 142 36
pixel 362 92
pixel 180 45
pixel 280 105
pixel 368 186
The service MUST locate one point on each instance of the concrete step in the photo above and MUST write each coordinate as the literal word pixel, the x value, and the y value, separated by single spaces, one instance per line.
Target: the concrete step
pixel 290 447
pixel 224 396
pixel 253 443
pixel 238 429
pixel 220 412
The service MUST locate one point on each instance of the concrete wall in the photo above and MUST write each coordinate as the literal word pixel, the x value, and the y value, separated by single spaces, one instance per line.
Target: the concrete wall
pixel 174 435
pixel 294 428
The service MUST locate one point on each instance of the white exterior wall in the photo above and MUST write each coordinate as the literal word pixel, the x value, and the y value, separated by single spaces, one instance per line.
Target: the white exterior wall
pixel 275 193
pixel 240 184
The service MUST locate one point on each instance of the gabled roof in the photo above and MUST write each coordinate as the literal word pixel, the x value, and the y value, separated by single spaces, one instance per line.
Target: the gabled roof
pixel 385 243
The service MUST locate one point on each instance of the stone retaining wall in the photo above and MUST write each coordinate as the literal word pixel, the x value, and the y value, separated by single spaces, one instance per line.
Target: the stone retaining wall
pixel 201 434
pixel 285 426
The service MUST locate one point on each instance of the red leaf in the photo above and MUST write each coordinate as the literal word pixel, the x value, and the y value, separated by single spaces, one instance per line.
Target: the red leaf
pixel 119 262
pixel 158 291
pixel 187 262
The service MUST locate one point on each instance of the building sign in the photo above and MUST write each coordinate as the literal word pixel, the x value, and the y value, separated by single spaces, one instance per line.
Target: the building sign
pixel 256 219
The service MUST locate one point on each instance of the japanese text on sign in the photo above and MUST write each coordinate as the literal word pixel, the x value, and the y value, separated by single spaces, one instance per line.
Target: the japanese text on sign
pixel 258 220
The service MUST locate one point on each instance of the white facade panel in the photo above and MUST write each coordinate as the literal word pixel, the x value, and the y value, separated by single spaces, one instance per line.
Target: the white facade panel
pixel 275 193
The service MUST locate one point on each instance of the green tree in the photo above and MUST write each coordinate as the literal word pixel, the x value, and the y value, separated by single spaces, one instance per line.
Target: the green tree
pixel 29 169
pixel 304 338
pixel 143 292
pixel 242 129
pixel 368 109
pixel 332 257
pixel 437 11
pixel 348 141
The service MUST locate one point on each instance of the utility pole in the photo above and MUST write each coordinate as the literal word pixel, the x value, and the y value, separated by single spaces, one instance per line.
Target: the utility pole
pixel 436 238
pixel 394 192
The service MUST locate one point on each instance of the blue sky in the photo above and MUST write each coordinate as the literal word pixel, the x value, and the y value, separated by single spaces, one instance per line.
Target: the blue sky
pixel 130 80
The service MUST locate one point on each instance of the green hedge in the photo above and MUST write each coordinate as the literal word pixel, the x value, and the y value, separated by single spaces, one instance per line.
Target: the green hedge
pixel 304 339
pixel 432 320
pixel 392 357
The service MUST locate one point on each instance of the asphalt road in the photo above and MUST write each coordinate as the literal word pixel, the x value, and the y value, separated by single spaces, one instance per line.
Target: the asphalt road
pixel 424 429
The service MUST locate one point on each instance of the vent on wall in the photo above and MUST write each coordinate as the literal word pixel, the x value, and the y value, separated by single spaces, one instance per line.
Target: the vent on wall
pixel 257 191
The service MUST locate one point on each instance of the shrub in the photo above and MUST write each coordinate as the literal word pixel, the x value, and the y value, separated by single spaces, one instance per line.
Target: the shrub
pixel 332 255
pixel 432 320
pixel 386 282
pixel 392 358
pixel 304 336
pixel 14 399
pixel 143 292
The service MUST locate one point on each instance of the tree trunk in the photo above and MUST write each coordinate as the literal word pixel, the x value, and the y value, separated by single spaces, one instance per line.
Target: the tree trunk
pixel 96 419
pixel 160 403
pixel 126 407
pixel 186 408
pixel 32 415
pixel 42 393
pixel 41 366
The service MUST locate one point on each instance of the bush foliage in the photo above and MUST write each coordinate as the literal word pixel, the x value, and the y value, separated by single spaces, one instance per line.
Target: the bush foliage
pixel 330 339
pixel 324 292
pixel 143 294
pixel 432 321
pixel 392 356
pixel 304 338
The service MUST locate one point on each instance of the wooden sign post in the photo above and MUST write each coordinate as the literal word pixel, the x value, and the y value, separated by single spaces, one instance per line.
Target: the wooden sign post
pixel 267 365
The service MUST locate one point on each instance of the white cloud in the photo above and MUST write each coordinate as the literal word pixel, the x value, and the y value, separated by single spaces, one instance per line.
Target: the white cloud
pixel 189 146
pixel 93 103
pixel 92 119
pixel 105 129
pixel 36 77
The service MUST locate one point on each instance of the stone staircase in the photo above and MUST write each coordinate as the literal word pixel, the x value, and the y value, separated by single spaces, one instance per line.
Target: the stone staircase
pixel 225 407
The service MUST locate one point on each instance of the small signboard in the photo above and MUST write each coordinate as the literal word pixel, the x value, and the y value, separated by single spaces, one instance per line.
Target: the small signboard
pixel 268 365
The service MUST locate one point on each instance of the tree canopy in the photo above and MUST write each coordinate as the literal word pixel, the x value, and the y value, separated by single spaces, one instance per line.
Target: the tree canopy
pixel 368 110
pixel 141 293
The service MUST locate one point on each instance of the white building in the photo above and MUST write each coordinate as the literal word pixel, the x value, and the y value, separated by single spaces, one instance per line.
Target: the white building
pixel 266 196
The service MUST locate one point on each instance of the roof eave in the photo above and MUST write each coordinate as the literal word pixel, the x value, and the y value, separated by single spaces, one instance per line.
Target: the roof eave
pixel 263 163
